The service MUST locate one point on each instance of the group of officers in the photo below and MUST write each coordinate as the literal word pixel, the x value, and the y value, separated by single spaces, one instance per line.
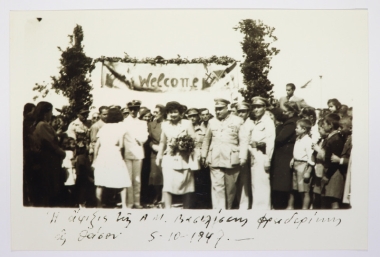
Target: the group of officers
pixel 233 148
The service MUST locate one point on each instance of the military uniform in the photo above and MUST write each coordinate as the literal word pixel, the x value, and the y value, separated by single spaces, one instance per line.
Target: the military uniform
pixel 260 131
pixel 244 197
pixel 202 176
pixel 221 147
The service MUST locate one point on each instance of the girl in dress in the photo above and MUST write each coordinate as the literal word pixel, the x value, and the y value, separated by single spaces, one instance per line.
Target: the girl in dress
pixel 110 168
pixel 178 178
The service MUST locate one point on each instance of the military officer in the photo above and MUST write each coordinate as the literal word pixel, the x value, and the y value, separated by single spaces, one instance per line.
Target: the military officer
pixel 244 194
pixel 136 134
pixel 202 196
pixel 79 126
pixel 220 151
pixel 260 133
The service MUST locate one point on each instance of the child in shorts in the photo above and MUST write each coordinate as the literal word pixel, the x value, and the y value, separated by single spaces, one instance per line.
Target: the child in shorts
pixel 302 163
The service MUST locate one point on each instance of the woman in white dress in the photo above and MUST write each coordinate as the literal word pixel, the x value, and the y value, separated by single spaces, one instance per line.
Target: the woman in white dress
pixel 178 178
pixel 110 168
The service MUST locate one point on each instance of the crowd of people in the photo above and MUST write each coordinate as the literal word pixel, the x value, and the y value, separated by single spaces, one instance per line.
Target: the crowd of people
pixel 260 155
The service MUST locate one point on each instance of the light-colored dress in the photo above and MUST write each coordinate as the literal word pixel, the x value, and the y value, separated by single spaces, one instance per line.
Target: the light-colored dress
pixel 178 178
pixel 110 168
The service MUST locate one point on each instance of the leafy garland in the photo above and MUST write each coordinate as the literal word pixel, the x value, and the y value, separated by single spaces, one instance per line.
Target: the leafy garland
pixel 223 60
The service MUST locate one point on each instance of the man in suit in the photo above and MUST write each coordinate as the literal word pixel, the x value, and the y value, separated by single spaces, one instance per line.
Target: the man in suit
pixel 136 134
pixel 221 147
pixel 290 88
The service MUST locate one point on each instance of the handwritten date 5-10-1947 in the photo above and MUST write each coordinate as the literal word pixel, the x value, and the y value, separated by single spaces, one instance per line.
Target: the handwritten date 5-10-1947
pixel 201 236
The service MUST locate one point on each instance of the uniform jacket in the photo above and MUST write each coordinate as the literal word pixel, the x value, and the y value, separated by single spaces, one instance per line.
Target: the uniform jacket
pixel 262 131
pixel 200 132
pixel 76 127
pixel 136 134
pixel 221 144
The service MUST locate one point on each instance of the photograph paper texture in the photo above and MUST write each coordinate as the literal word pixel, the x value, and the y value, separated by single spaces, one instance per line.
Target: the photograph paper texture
pixel 324 53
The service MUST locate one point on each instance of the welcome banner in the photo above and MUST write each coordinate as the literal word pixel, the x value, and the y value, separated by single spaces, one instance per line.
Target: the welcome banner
pixel 162 78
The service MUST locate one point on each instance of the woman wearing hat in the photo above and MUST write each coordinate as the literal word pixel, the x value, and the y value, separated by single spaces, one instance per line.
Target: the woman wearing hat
pixel 178 178
pixel 281 175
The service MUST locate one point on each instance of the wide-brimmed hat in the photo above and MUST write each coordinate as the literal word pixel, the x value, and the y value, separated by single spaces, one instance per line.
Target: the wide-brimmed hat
pixel 173 105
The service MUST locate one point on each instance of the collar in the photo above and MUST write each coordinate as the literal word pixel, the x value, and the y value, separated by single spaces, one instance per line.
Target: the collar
pixel 259 120
pixel 78 121
pixel 228 115
pixel 333 133
pixel 198 127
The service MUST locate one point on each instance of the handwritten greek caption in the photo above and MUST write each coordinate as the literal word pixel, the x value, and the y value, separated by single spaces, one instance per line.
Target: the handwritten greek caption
pixel 208 230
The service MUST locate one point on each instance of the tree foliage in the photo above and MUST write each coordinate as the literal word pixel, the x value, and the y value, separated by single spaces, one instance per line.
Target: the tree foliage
pixel 223 60
pixel 73 81
pixel 258 38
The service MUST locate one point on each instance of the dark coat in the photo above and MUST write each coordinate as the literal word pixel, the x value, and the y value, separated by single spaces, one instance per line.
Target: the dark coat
pixel 49 177
pixel 333 144
pixel 280 175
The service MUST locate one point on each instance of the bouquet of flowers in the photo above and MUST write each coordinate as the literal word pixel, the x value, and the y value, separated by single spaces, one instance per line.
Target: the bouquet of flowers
pixel 182 144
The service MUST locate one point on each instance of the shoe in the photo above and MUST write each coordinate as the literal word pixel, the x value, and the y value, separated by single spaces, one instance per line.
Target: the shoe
pixel 137 207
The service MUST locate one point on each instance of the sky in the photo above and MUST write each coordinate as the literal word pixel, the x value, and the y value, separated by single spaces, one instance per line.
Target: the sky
pixel 327 47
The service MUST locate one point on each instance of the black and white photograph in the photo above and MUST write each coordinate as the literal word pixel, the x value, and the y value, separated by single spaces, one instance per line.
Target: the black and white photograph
pixel 223 124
